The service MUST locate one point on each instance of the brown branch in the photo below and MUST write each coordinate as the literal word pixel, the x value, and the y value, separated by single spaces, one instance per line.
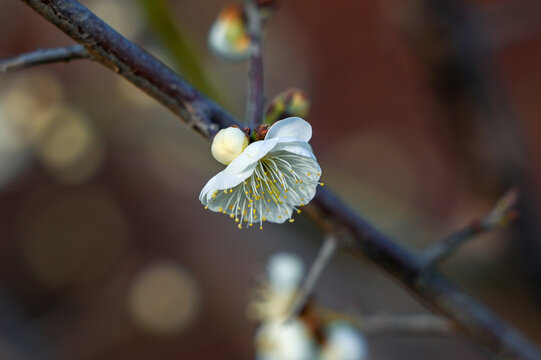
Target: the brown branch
pixel 499 216
pixel 107 47
pixel 44 56
pixel 256 92
pixel 326 251
pixel 384 324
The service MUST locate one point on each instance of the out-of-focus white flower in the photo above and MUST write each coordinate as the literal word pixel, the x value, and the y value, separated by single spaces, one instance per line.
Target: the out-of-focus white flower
pixel 274 300
pixel 285 272
pixel 269 179
pixel 228 36
pixel 343 342
pixel 284 341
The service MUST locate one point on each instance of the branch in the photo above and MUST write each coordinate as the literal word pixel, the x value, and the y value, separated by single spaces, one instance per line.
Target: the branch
pixel 47 56
pixel 147 73
pixel 325 253
pixel 256 92
pixel 410 325
pixel 499 216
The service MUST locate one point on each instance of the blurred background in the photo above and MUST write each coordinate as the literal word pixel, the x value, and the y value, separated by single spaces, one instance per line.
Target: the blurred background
pixel 424 113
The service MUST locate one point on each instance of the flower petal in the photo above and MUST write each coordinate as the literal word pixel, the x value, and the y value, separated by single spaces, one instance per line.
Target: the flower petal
pixel 293 127
pixel 250 156
pixel 301 148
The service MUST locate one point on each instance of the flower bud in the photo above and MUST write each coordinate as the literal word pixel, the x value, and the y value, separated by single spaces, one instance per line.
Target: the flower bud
pixel 285 272
pixel 292 102
pixel 229 36
pixel 228 144
pixel 260 132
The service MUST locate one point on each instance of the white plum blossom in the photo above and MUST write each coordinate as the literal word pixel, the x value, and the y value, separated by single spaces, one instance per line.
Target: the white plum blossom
pixel 270 179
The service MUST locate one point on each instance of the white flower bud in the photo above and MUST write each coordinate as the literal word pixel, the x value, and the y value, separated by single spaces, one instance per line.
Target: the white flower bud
pixel 285 272
pixel 228 36
pixel 228 144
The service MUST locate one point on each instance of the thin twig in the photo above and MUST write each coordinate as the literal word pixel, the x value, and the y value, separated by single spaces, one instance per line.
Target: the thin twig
pixel 256 91
pixel 324 255
pixel 44 56
pixel 385 324
pixel 438 293
pixel 499 216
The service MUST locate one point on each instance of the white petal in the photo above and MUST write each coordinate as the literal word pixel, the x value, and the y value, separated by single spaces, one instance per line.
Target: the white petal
pixel 284 340
pixel 344 342
pixel 301 148
pixel 222 181
pixel 293 127
pixel 250 156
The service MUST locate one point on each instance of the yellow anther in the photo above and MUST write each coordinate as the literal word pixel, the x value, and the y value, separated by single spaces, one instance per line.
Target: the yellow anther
pixel 291 220
pixel 268 209
pixel 206 207
pixel 251 224
pixel 237 220
pixel 260 227
pixel 239 226
pixel 308 174
pixel 232 216
pixel 264 219
pixel 285 196
pixel 298 211
pixel 225 191
pixel 245 220
pixel 230 190
pixel 220 209
pixel 279 216
pixel 322 184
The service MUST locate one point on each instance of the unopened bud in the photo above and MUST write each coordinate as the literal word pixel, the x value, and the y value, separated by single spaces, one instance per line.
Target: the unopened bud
pixel 292 102
pixel 228 144
pixel 229 36
pixel 260 132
